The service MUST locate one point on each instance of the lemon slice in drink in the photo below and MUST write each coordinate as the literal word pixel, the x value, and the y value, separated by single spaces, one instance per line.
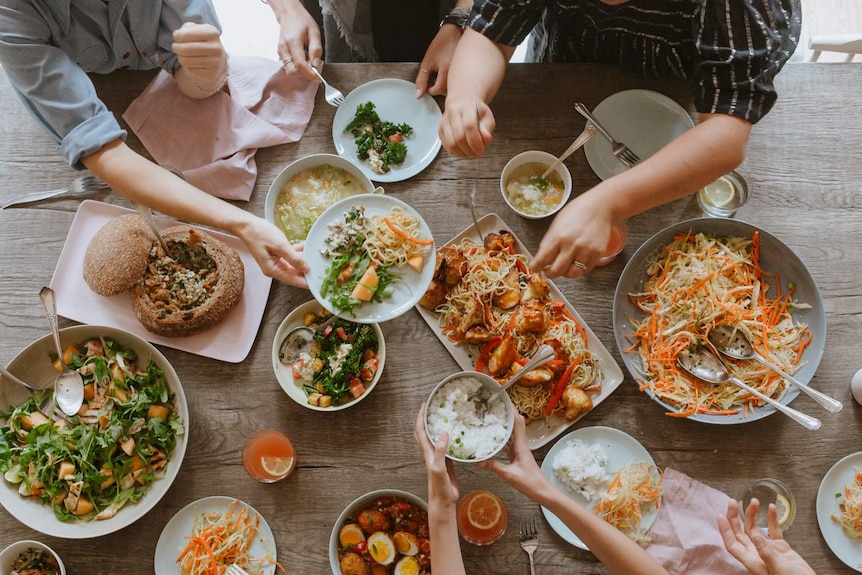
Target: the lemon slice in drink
pixel 276 466
pixel 484 511
pixel 719 193
pixel 782 505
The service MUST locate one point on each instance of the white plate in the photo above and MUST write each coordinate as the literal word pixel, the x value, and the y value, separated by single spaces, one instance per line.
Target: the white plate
pixel 230 340
pixel 33 365
pixel 173 537
pixel 622 449
pixel 539 432
pixel 406 292
pixel 846 548
pixel 284 373
pixel 395 101
pixel 644 120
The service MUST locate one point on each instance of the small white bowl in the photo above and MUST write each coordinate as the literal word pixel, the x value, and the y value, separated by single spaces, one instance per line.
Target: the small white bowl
pixel 284 373
pixel 542 158
pixel 305 163
pixel 10 554
pixel 489 386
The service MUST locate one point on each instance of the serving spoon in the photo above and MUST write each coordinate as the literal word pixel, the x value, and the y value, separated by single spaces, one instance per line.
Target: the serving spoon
pixel 298 340
pixel 543 355
pixel 147 214
pixel 69 384
pixel 733 343
pixel 705 366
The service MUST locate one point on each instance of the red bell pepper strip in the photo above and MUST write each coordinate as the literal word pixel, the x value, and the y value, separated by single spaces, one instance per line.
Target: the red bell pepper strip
pixel 561 385
pixel 486 351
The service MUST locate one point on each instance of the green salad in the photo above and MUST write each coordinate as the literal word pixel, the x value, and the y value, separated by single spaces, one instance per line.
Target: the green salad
pixel 378 142
pixel 89 465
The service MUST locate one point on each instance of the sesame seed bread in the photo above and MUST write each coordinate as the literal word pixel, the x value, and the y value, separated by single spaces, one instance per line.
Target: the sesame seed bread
pixel 117 255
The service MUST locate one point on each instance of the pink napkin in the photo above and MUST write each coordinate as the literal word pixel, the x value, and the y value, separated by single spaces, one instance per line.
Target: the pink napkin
pixel 213 141
pixel 685 537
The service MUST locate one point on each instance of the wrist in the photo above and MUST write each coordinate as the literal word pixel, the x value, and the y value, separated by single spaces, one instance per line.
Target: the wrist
pixel 208 87
pixel 458 17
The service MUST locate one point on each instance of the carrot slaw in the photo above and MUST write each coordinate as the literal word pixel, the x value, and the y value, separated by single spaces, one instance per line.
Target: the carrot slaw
pixel 635 487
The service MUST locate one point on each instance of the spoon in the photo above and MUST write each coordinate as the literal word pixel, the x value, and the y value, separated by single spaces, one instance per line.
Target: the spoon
pixel 46 406
pixel 706 366
pixel 69 384
pixel 543 355
pixel 732 342
pixel 588 133
pixel 298 340
pixel 147 214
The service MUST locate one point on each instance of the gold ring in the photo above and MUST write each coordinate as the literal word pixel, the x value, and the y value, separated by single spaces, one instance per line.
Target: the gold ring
pixel 287 60
pixel 424 70
pixel 579 265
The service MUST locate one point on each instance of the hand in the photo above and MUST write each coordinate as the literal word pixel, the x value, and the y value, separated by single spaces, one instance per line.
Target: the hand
pixel 522 471
pixel 437 58
pixel 460 131
pixel 442 483
pixel 200 51
pixel 299 43
pixel 759 554
pixel 273 253
pixel 580 232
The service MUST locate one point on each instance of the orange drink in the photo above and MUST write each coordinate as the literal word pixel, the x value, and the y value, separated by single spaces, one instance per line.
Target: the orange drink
pixel 619 237
pixel 482 518
pixel 268 456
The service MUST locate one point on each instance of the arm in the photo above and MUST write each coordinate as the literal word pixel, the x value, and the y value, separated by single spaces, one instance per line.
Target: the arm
pixel 442 499
pixel 298 37
pixel 439 55
pixel 581 231
pixel 144 182
pixel 613 548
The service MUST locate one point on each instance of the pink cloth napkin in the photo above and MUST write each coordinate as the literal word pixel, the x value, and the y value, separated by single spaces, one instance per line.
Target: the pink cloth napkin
pixel 213 141
pixel 685 537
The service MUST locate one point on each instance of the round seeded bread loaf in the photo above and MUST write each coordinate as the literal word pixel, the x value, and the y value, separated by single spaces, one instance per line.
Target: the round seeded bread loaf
pixel 117 255
pixel 167 309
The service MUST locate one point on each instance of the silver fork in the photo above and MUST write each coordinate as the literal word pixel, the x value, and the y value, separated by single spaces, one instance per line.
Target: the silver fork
pixel 234 569
pixel 528 536
pixel 333 95
pixel 620 151
pixel 86 184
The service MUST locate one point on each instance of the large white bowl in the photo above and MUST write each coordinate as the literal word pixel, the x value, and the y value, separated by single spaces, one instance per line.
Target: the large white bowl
pixel 305 163
pixel 542 158
pixel 33 365
pixel 284 373
pixel 8 555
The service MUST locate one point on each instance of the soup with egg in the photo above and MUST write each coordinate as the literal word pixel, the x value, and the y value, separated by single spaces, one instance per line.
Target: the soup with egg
pixel 307 194
pixel 531 194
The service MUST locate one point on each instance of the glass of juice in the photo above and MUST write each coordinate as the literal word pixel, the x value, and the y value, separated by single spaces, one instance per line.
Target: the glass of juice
pixel 482 517
pixel 619 237
pixel 724 196
pixel 268 456
pixel 766 491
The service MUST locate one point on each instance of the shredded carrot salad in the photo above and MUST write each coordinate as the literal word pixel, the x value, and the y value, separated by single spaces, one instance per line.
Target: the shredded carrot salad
pixel 635 488
pixel 850 517
pixel 695 283
pixel 222 539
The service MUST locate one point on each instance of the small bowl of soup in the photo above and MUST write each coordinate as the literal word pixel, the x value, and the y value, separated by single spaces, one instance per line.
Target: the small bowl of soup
pixel 527 192
pixel 305 188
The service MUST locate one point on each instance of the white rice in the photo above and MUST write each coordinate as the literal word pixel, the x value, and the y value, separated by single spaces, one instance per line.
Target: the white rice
pixel 470 436
pixel 581 467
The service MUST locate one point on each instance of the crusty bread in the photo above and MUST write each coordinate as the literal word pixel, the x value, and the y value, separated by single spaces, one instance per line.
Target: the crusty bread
pixel 208 300
pixel 117 255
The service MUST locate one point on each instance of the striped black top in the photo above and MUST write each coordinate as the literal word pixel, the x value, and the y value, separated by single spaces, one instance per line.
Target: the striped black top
pixel 730 50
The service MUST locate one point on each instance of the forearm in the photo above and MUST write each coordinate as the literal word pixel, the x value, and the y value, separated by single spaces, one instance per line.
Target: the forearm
pixel 478 68
pixel 445 546
pixel 285 9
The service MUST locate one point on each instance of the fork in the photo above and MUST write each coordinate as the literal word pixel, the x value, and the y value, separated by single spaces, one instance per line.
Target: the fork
pixel 234 569
pixel 620 151
pixel 475 178
pixel 334 97
pixel 85 184
pixel 528 536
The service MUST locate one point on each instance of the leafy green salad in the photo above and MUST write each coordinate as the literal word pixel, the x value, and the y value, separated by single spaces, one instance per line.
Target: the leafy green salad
pixel 89 465
pixel 378 142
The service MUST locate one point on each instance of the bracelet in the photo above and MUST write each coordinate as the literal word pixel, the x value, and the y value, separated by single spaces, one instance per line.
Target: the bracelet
pixel 458 16
pixel 221 82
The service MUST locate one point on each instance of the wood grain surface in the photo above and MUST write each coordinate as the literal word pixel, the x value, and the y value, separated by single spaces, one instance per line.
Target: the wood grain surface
pixel 805 177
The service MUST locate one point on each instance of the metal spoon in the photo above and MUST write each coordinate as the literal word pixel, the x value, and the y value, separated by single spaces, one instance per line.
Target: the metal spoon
pixel 46 405
pixel 69 384
pixel 732 342
pixel 298 340
pixel 543 355
pixel 582 139
pixel 706 366
pixel 147 214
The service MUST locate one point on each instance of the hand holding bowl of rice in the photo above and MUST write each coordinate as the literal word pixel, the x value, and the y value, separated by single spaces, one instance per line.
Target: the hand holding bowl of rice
pixel 477 429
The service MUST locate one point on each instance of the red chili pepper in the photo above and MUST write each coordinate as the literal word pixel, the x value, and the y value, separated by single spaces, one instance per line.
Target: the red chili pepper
pixel 561 385
pixel 361 547
pixel 486 351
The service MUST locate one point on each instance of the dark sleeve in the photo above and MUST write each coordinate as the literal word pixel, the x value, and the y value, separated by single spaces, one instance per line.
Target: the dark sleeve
pixel 741 45
pixel 506 21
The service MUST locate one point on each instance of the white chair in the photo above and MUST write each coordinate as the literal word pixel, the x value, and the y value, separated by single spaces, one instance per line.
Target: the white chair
pixel 850 44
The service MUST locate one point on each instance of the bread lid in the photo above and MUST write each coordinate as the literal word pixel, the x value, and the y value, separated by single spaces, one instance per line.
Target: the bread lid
pixel 117 255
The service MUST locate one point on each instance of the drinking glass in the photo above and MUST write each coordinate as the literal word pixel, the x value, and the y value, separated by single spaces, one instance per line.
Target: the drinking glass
pixel 619 237
pixel 482 517
pixel 268 456
pixel 766 491
pixel 724 196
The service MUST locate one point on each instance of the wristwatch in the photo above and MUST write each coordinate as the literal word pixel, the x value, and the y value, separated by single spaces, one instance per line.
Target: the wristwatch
pixel 458 16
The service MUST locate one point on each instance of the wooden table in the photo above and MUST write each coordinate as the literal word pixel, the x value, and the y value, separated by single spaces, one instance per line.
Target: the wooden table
pixel 805 176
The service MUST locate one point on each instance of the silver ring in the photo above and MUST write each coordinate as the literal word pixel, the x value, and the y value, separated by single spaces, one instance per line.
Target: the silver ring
pixel 579 265
pixel 286 61
pixel 424 70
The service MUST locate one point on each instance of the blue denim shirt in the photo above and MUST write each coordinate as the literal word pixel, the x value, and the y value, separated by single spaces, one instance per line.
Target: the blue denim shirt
pixel 47 47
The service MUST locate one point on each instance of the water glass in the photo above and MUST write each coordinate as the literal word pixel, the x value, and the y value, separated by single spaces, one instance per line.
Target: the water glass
pixel 766 491
pixel 724 196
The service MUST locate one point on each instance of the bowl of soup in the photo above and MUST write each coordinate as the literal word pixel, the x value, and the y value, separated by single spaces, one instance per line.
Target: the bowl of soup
pixel 527 192
pixel 305 188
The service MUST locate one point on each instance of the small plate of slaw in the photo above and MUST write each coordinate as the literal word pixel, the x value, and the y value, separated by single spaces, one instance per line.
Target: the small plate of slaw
pixel 702 283
pixel 831 493
pixel 621 448
pixel 258 560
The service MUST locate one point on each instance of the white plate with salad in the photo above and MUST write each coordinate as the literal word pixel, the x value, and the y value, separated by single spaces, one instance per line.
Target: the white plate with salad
pixel 212 513
pixel 829 496
pixel 621 450
pixel 394 101
pixel 341 260
pixel 75 517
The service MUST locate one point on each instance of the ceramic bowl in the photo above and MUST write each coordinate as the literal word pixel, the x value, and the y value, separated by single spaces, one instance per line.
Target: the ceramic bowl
pixel 11 553
pixel 536 197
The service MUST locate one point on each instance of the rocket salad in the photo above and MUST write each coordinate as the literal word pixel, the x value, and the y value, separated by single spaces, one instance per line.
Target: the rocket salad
pixel 378 142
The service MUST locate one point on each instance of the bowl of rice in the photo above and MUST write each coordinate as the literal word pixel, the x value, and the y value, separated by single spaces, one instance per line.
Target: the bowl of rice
pixel 477 429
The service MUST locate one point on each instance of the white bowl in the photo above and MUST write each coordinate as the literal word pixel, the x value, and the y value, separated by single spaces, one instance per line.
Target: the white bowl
pixel 357 504
pixel 8 555
pixel 305 163
pixel 542 158
pixel 489 385
pixel 284 373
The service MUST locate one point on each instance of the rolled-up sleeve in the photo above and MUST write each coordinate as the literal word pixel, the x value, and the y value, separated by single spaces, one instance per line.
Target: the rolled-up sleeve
pixel 741 45
pixel 506 22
